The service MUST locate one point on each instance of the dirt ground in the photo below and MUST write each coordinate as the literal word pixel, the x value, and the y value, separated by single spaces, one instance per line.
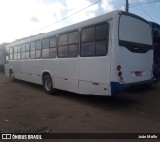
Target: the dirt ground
pixel 25 107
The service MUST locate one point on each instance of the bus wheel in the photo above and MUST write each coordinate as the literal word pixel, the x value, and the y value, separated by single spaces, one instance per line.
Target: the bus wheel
pixel 47 85
pixel 12 76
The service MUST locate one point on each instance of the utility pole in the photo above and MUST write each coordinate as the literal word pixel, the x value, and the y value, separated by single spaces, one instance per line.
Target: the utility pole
pixel 127 6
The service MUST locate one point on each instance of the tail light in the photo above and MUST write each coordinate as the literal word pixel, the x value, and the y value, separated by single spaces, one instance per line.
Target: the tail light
pixel 119 74
pixel 118 68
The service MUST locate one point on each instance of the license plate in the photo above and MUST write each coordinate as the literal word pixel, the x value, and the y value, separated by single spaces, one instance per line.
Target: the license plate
pixel 138 73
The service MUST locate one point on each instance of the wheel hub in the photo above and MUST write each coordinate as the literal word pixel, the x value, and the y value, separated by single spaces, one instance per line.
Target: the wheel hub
pixel 48 84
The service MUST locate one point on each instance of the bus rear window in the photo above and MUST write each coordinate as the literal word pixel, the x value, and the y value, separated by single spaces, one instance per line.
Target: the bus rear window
pixel 135 34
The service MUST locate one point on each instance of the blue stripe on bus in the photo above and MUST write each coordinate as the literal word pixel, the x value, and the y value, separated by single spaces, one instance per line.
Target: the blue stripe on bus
pixel 116 88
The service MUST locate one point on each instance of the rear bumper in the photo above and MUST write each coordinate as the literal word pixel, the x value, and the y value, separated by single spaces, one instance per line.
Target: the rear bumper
pixel 117 88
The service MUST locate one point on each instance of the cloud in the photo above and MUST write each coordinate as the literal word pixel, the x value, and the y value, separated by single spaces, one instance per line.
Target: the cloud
pixel 158 4
pixel 123 8
pixel 46 12
pixel 107 5
pixel 34 19
pixel 73 6
pixel 20 18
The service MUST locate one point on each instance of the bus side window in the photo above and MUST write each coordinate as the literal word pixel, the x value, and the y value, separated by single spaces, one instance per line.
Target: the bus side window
pixel 87 41
pixel 33 50
pixel 73 44
pixel 19 52
pixel 27 50
pixel 68 44
pixel 15 53
pixel 63 46
pixel 94 40
pixel 23 56
pixel 52 47
pixel 38 49
pixel 102 33
pixel 11 53
pixel 45 48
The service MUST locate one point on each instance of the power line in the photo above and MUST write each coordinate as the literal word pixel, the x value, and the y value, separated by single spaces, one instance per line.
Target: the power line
pixel 134 5
pixel 68 16
pixel 145 11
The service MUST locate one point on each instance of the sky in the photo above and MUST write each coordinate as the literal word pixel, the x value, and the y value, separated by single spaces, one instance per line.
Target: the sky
pixel 22 18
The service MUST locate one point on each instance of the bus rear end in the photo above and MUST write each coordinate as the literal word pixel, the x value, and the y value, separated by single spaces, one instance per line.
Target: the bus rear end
pixel 134 60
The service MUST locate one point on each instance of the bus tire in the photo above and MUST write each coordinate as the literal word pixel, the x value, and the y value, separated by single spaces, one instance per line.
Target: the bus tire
pixel 11 74
pixel 48 85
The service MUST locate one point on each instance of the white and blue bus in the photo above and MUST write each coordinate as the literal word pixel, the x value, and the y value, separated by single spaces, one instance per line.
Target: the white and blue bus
pixel 99 56
pixel 156 50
